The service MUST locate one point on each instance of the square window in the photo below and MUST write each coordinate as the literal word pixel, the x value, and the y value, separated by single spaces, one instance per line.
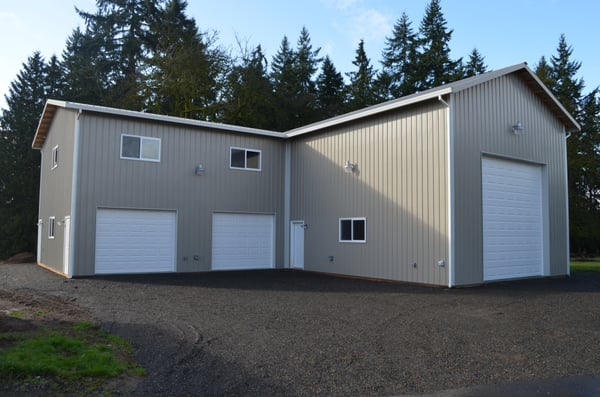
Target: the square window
pixel 51 227
pixel 140 148
pixel 353 230
pixel 245 159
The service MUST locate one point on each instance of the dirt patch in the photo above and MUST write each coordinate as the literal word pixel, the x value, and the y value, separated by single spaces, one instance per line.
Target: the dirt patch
pixel 22 257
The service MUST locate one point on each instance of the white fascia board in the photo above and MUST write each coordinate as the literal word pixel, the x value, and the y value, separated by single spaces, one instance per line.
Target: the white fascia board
pixel 163 118
pixel 372 110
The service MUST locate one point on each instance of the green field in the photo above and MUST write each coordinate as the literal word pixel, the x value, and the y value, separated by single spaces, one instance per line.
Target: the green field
pixel 585 265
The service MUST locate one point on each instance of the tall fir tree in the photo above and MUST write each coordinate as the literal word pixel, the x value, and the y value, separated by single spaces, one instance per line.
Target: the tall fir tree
pixel 434 66
pixel 400 59
pixel 362 85
pixel 476 64
pixel 249 98
pixel 331 90
pixel 20 164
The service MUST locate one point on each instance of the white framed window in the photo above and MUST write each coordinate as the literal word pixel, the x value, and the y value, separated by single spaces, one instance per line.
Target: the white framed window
pixel 353 230
pixel 54 157
pixel 51 227
pixel 245 159
pixel 134 147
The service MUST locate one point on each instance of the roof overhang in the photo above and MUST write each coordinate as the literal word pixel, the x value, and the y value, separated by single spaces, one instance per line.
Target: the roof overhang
pixel 53 105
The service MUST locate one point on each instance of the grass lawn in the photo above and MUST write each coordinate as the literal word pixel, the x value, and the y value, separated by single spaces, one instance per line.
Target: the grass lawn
pixel 585 265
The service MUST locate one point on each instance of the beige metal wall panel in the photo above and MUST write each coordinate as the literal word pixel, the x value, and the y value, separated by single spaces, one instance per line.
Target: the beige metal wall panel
pixel 55 191
pixel 482 120
pixel 106 181
pixel 400 188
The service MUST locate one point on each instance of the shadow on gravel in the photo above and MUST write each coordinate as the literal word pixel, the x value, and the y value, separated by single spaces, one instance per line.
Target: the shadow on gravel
pixel 299 281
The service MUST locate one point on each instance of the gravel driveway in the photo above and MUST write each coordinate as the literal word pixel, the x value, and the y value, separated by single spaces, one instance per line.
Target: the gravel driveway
pixel 278 333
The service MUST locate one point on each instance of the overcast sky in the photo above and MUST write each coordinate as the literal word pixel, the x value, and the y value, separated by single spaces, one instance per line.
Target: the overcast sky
pixel 504 31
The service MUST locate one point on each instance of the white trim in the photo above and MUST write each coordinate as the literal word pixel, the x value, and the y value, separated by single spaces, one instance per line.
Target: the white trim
pixel 74 187
pixel 245 167
pixel 67 245
pixel 142 140
pixel 39 241
pixel 352 230
pixel 54 158
pixel 52 227
pixel 287 203
pixel 450 192
pixel 568 234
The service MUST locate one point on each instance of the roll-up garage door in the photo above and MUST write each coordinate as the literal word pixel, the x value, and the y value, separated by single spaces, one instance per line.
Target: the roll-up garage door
pixel 512 219
pixel 135 241
pixel 243 241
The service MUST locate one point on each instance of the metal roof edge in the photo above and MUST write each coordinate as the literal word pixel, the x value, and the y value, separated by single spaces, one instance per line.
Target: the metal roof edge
pixel 48 114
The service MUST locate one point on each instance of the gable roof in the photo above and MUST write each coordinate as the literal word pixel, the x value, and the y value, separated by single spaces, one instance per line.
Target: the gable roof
pixel 53 105
pixel 521 70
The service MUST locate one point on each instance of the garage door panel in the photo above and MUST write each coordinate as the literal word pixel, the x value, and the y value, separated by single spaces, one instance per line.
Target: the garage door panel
pixel 135 241
pixel 243 241
pixel 512 219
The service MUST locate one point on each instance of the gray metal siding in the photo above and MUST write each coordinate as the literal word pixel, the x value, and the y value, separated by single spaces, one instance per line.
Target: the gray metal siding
pixel 401 189
pixel 55 186
pixel 105 180
pixel 482 120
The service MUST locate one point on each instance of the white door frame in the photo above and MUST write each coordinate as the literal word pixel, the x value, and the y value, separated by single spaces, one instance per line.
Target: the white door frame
pixel 297 244
pixel 67 245
pixel 39 241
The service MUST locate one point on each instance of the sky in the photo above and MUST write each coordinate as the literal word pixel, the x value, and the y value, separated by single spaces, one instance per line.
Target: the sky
pixel 505 32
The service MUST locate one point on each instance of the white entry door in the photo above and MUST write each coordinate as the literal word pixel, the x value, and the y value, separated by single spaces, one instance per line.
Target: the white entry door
pixel 297 245
pixel 67 246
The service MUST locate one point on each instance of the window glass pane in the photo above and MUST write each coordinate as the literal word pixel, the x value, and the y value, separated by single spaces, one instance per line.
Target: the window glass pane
pixel 238 158
pixel 345 229
pixel 130 147
pixel 150 149
pixel 253 160
pixel 359 230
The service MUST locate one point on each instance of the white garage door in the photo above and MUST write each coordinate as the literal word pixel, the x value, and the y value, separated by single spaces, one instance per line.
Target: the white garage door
pixel 512 219
pixel 243 241
pixel 135 241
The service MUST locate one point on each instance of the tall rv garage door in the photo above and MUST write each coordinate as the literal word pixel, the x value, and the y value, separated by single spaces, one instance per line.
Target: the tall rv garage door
pixel 135 241
pixel 243 241
pixel 512 219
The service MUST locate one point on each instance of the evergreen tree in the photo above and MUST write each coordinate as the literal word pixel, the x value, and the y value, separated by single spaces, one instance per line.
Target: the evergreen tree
pixel 285 85
pixel 185 70
pixel 544 71
pixel 249 98
pixel 400 59
pixel 361 87
pixel 19 180
pixel 434 65
pixel 476 64
pixel 331 90
pixel 121 30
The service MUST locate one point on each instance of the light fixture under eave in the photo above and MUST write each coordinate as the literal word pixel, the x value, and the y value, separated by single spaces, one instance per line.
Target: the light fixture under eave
pixel 349 167
pixel 517 128
pixel 200 169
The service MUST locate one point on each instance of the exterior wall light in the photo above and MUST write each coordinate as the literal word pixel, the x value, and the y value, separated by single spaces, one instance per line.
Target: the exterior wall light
pixel 517 128
pixel 200 169
pixel 349 167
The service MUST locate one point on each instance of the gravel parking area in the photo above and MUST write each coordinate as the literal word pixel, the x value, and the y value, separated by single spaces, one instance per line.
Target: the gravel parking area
pixel 278 333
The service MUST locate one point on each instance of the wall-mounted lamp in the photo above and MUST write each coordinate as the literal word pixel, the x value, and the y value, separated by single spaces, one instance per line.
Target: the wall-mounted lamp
pixel 349 167
pixel 200 169
pixel 517 128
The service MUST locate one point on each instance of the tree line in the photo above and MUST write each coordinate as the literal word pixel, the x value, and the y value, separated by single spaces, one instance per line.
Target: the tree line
pixel 150 56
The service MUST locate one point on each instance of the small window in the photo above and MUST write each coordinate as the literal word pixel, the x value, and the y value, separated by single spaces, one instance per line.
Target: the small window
pixel 245 159
pixel 54 157
pixel 140 148
pixel 51 227
pixel 353 230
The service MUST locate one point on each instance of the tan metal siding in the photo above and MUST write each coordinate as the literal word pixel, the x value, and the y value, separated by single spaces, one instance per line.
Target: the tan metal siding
pixel 55 189
pixel 401 189
pixel 107 181
pixel 483 116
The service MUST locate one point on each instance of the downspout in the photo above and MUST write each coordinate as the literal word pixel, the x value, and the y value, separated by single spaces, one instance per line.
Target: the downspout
pixel 287 189
pixel 74 185
pixel 566 171
pixel 450 191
